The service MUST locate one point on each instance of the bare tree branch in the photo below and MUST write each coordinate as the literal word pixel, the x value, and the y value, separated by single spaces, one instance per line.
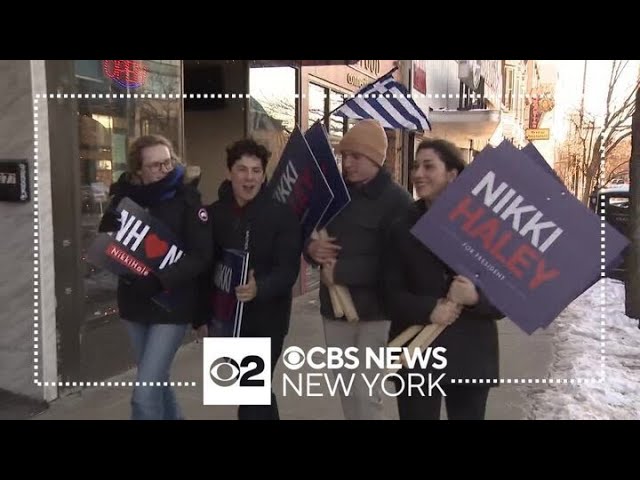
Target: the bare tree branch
pixel 628 103
pixel 618 67
pixel 612 174
pixel 617 142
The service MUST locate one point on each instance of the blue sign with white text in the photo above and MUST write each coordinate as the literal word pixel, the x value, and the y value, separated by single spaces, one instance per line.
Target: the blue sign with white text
pixel 318 141
pixel 509 226
pixel 299 183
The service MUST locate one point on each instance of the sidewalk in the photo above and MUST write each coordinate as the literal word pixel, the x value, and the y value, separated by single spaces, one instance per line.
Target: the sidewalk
pixel 522 357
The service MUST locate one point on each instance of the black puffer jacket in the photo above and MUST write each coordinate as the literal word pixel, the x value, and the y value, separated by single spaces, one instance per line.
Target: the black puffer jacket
pixel 275 245
pixel 414 279
pixel 176 203
pixel 360 230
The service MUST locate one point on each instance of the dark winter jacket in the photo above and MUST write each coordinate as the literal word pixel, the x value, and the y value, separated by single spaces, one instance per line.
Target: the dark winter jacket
pixel 275 245
pixel 414 279
pixel 175 202
pixel 360 230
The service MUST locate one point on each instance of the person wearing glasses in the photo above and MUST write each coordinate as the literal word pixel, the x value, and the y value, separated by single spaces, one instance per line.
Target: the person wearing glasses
pixel 157 180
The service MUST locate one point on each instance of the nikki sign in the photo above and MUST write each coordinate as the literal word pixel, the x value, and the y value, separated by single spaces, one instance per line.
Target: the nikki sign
pixel 514 233
pixel 133 233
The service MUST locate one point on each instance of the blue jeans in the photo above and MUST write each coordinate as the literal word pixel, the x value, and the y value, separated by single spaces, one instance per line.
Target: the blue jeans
pixel 155 347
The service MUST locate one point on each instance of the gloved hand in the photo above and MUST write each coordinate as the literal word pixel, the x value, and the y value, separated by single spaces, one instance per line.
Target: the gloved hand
pixel 146 286
pixel 110 222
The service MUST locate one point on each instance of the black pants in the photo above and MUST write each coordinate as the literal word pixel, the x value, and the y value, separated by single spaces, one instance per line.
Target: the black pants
pixel 265 412
pixel 463 402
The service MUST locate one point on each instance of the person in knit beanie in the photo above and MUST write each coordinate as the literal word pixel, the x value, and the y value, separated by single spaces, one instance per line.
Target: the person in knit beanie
pixel 366 138
pixel 350 257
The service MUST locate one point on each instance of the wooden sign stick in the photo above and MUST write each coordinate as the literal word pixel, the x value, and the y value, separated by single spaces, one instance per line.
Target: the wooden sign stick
pixel 338 311
pixel 424 339
pixel 340 295
pixel 405 336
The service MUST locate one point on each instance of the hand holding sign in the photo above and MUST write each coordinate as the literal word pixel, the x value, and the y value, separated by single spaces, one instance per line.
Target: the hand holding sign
pixel 445 313
pixel 248 291
pixel 463 292
pixel 323 250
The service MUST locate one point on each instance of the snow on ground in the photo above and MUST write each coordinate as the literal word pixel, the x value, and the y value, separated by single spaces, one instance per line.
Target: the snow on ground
pixel 578 346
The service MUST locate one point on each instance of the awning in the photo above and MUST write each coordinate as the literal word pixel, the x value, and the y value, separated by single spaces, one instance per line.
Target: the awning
pixel 460 126
pixel 316 63
pixel 301 63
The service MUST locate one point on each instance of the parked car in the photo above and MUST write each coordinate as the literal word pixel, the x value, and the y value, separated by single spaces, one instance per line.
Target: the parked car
pixel 617 202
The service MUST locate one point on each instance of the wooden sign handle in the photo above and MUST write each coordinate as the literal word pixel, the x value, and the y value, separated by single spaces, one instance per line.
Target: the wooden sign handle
pixel 405 336
pixel 424 338
pixel 340 296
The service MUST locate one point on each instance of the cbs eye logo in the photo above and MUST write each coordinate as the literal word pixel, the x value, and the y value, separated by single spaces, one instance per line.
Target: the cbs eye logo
pixel 293 358
pixel 225 371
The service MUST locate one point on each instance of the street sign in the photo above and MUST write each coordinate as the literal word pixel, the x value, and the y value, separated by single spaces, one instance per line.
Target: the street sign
pixel 537 134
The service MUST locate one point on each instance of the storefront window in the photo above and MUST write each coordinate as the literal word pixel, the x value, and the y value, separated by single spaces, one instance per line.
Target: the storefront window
pixel 106 127
pixel 317 103
pixel 336 122
pixel 319 107
pixel 272 108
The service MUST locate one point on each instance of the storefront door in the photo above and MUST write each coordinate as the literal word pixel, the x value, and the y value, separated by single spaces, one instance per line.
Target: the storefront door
pixel 89 138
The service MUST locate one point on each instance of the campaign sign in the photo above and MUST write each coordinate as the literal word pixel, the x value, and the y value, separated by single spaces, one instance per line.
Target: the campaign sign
pixel 142 245
pixel 612 262
pixel 299 183
pixel 518 234
pixel 318 142
pixel 229 273
pixel 537 157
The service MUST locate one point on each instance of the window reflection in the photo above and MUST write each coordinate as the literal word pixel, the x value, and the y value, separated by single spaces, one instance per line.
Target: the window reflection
pixel 272 108
pixel 322 101
pixel 317 103
pixel 336 122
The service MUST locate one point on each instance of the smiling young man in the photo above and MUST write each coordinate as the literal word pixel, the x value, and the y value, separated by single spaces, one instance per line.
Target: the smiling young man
pixel 352 257
pixel 245 218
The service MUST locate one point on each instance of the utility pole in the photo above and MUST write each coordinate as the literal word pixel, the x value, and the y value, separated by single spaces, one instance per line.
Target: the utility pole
pixel 582 162
pixel 632 279
pixel 584 84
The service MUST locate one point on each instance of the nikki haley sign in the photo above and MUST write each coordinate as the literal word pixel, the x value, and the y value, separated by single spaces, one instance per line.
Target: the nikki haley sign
pixel 299 183
pixel 508 225
pixel 230 271
pixel 142 245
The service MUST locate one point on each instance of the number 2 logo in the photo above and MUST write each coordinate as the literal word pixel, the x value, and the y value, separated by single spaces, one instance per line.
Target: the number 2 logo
pixel 225 371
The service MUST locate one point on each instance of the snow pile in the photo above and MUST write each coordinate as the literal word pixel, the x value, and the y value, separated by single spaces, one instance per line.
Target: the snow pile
pixel 612 392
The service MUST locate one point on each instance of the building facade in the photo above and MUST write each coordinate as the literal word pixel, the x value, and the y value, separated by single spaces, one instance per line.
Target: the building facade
pixel 462 99
pixel 520 78
pixel 61 323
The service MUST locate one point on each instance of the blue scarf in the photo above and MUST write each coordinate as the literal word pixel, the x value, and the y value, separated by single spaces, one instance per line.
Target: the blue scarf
pixel 152 193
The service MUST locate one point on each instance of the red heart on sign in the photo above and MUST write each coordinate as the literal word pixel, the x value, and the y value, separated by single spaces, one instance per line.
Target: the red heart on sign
pixel 154 247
